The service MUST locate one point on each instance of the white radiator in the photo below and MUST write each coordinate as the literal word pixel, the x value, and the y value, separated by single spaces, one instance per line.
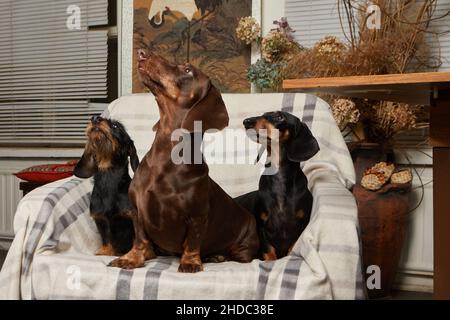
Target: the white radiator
pixel 416 266
pixel 10 196
pixel 14 160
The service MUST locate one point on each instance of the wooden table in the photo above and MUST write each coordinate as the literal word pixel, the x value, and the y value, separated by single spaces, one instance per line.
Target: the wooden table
pixel 429 88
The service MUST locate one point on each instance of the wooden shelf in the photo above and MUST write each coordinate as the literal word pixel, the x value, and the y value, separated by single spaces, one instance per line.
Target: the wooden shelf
pixel 417 88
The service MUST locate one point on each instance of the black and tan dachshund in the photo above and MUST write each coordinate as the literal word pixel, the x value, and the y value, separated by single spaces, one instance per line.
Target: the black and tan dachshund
pixel 282 205
pixel 106 158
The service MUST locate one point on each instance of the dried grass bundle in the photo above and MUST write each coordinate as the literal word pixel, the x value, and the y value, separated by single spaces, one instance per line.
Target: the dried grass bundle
pixel 389 118
pixel 323 60
pixel 397 47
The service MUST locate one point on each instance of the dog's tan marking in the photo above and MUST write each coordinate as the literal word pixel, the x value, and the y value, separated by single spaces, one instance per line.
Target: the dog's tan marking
pixel 284 135
pixel 264 216
pixel 98 216
pixel 135 258
pixel 264 124
pixel 106 250
pixel 271 255
pixel 128 214
pixel 104 127
pixel 101 144
pixel 104 164
pixel 190 261
pixel 300 214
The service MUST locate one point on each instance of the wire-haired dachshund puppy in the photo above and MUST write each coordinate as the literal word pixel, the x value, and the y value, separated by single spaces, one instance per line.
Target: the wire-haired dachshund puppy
pixel 179 208
pixel 282 205
pixel 106 158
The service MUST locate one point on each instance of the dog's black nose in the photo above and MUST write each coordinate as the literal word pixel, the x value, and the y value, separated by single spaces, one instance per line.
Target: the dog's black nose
pixel 249 122
pixel 96 119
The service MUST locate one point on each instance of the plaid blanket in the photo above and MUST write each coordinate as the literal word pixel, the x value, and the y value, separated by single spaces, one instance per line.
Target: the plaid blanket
pixel 52 255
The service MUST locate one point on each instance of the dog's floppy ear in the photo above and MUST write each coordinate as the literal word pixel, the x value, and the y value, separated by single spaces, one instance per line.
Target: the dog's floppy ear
pixel 134 160
pixel 302 146
pixel 210 110
pixel 85 168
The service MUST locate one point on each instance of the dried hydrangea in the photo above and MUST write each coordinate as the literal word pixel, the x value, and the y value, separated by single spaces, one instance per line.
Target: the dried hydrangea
pixel 330 46
pixel 264 75
pixel 248 30
pixel 344 112
pixel 273 44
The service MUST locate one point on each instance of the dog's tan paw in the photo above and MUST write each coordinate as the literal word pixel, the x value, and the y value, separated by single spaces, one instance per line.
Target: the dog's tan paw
pixel 270 255
pixel 106 250
pixel 126 263
pixel 190 267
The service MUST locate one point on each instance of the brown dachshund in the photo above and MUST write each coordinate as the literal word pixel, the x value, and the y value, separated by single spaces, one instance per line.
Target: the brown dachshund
pixel 179 209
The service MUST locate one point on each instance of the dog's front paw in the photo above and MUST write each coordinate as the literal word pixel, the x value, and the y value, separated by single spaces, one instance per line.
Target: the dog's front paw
pixel 125 262
pixel 190 267
pixel 270 254
pixel 106 250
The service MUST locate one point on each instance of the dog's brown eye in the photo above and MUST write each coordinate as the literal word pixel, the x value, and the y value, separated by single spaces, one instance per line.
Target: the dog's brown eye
pixel 114 126
pixel 187 70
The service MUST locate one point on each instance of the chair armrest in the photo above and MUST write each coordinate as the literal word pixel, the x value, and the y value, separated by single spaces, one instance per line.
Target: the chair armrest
pixel 332 236
pixel 40 220
pixel 39 204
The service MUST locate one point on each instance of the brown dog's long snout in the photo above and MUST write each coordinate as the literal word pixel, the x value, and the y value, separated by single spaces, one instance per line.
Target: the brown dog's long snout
pixel 142 55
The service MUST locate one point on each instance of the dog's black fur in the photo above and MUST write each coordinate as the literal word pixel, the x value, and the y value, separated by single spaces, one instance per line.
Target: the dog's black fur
pixel 106 158
pixel 282 205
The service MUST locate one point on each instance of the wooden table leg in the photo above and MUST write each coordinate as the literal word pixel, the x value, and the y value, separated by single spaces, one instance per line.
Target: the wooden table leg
pixel 440 139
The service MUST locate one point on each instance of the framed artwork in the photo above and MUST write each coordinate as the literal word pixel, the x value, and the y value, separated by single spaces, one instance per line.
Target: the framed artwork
pixel 199 31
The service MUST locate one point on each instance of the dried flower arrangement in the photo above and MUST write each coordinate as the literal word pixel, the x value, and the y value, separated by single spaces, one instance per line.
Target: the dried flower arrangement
pixel 277 48
pixel 398 46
